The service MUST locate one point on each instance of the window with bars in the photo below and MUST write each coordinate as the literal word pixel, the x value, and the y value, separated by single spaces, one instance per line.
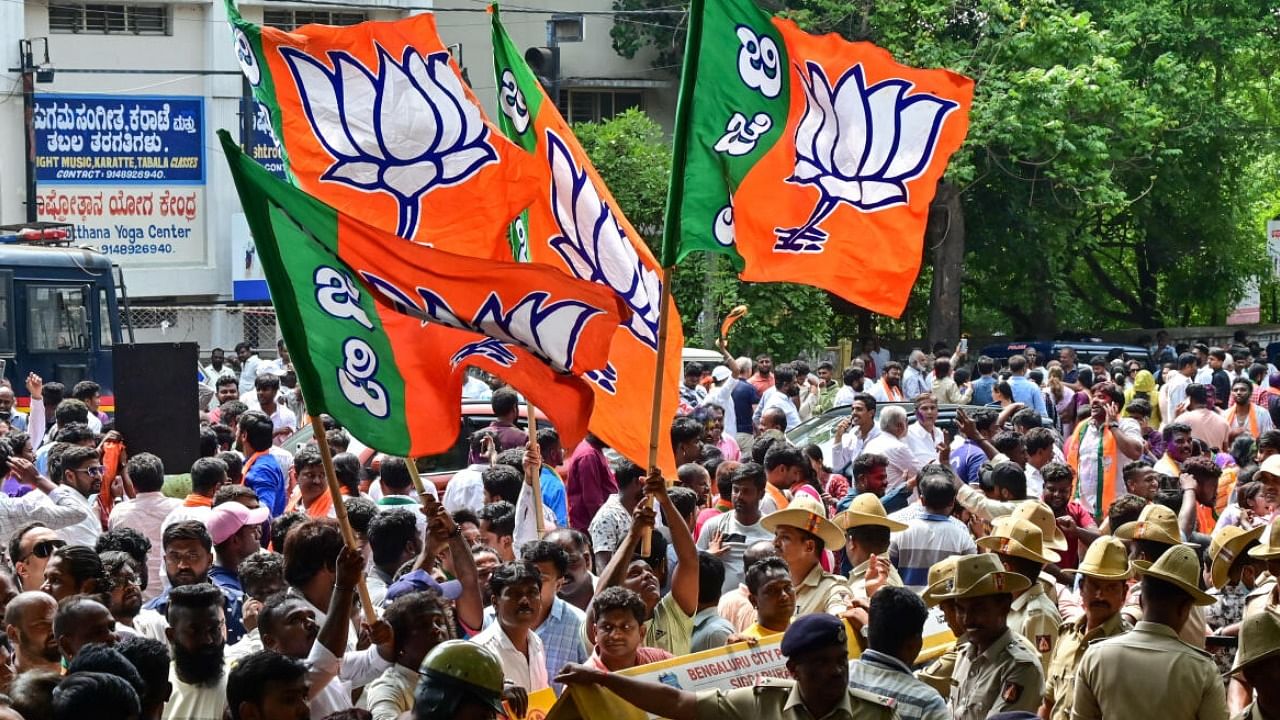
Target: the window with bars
pixel 597 105
pixel 102 19
pixel 293 19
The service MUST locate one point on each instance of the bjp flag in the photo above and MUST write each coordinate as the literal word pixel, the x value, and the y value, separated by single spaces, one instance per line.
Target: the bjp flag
pixel 806 158
pixel 357 308
pixel 576 225
pixel 375 120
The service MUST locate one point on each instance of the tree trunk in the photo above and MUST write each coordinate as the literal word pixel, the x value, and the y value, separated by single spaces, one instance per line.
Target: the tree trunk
pixel 944 240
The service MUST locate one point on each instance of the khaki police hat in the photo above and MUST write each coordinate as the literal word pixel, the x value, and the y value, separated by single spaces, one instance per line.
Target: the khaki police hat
pixel 1225 547
pixel 1178 566
pixel 1019 538
pixel 1270 467
pixel 979 575
pixel 1156 523
pixel 866 509
pixel 1259 640
pixel 1042 515
pixel 1106 559
pixel 942 570
pixel 806 514
pixel 1269 550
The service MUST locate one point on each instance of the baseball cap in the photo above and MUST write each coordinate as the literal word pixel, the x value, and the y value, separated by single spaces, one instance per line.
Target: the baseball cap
pixel 419 580
pixel 226 520
pixel 720 373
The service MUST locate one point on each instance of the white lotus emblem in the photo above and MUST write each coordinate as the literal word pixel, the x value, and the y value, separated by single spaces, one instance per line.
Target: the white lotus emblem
pixel 405 131
pixel 860 146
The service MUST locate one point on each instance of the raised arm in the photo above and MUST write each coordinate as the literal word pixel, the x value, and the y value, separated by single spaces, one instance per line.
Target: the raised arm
pixel 616 570
pixel 684 582
pixel 1187 520
pixel 337 621
pixel 654 698
pixel 442 531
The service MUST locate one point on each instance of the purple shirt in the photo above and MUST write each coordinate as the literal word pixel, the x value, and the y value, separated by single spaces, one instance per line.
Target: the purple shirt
pixel 967 461
pixel 588 481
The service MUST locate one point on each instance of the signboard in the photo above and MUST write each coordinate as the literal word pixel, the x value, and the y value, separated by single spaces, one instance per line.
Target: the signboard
pixel 261 144
pixel 248 284
pixel 1273 246
pixel 128 171
pixel 727 668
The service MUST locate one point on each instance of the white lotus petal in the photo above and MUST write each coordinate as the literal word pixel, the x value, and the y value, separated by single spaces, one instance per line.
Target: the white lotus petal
pixel 445 105
pixel 357 173
pixel 806 170
pixel 472 121
pixel 618 261
pixel 825 139
pixel 358 98
pixel 883 135
pixel 409 180
pixel 812 120
pixel 848 190
pixel 457 164
pixel 320 99
pixel 408 126
pixel 851 112
pixel 875 193
pixel 917 120
pixel 572 256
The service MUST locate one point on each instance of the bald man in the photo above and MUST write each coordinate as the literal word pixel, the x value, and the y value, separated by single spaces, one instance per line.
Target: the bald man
pixel 81 621
pixel 29 625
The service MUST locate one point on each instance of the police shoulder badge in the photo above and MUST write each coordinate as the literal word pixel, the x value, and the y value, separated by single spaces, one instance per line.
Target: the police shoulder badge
pixel 1044 643
pixel 1011 692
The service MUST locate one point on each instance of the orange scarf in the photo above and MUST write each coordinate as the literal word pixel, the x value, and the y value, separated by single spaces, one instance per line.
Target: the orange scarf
pixel 1108 463
pixel 194 500
pixel 248 463
pixel 318 509
pixel 779 498
pixel 1253 420
pixel 891 394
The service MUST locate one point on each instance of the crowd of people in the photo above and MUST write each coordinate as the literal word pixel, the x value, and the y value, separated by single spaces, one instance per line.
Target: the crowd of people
pixel 1100 540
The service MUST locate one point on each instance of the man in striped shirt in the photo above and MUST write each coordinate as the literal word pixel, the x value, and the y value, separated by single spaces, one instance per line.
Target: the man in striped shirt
pixel 895 632
pixel 933 535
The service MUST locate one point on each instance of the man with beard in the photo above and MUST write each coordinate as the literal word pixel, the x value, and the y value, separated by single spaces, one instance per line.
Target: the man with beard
pixel 889 388
pixel 1099 448
pixel 817 657
pixel 81 621
pixel 195 635
pixel 80 469
pixel 738 529
pixel 29 625
pixel 126 594
pixel 188 556
pixel 236 532
pixel 1104 573
pixel 579 583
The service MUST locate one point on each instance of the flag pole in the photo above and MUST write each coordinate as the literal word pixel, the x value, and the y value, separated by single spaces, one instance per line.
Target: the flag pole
pixel 535 476
pixel 340 509
pixel 655 415
pixel 417 482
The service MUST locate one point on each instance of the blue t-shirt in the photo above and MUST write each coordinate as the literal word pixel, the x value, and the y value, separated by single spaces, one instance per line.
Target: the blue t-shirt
pixel 744 396
pixel 553 495
pixel 266 477
pixel 982 389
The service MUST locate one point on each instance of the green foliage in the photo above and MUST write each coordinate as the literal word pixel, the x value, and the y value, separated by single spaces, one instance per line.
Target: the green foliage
pixel 634 159
pixel 1122 157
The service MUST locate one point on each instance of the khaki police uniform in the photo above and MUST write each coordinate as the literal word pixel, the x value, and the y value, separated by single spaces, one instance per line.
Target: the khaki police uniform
pixel 1002 678
pixel 779 699
pixel 1073 640
pixel 822 592
pixel 937 674
pixel 1261 598
pixel 1034 616
pixel 1252 712
pixel 858 579
pixel 1148 673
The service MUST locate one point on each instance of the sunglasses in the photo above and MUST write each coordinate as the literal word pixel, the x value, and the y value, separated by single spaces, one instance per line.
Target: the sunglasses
pixel 45 548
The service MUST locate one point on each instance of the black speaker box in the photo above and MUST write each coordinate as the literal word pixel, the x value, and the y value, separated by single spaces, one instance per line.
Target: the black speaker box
pixel 157 401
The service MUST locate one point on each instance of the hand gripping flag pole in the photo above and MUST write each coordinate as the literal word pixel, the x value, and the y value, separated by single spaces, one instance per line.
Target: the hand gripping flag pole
pixel 340 509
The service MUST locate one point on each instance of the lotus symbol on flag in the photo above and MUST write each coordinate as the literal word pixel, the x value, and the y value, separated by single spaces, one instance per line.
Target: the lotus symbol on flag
pixel 860 146
pixel 404 131
pixel 594 245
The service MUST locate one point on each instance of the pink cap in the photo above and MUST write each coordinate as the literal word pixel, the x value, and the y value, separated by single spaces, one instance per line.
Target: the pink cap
pixel 226 520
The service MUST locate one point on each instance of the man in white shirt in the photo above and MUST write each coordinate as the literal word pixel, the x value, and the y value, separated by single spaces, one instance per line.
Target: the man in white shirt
pixel 721 394
pixel 146 513
pixel 1174 391
pixel 249 362
pixel 517 599
pixel 779 396
pixel 466 488
pixel 195 635
pixel 855 432
pixel 264 397
pixel 740 528
pixel 923 436
pixel 80 469
pixel 217 367
pixel 915 380
pixel 889 443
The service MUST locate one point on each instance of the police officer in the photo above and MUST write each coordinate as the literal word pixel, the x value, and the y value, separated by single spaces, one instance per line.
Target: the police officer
pixel 995 672
pixel 1105 570
pixel 868 528
pixel 460 681
pixel 1019 545
pixel 816 648
pixel 1258 659
pixel 937 674
pixel 800 534
pixel 1148 672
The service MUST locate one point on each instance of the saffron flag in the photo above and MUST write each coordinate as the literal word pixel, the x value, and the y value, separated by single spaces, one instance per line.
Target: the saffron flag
pixel 806 158
pixel 375 120
pixel 575 224
pixel 356 307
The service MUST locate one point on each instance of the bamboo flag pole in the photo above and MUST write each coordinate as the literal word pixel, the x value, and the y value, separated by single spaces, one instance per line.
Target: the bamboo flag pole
pixel 535 475
pixel 655 415
pixel 421 489
pixel 340 509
